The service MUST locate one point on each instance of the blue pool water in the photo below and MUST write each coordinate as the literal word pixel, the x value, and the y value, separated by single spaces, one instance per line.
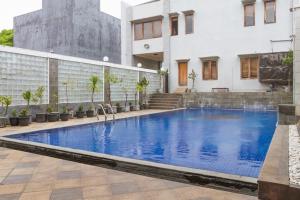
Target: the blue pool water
pixel 227 141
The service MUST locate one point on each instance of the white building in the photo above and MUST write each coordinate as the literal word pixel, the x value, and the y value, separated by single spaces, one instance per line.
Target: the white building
pixel 219 40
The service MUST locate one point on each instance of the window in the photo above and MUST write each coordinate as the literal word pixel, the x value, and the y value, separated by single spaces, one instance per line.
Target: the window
pixel 189 23
pixel 270 11
pixel 249 67
pixel 157 29
pixel 210 70
pixel 147 30
pixel 174 25
pixel 249 15
pixel 138 31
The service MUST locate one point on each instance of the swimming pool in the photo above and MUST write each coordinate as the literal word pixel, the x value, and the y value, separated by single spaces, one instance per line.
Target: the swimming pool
pixel 226 141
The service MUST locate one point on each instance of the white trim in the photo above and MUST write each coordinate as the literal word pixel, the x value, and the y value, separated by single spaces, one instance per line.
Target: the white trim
pixel 69 58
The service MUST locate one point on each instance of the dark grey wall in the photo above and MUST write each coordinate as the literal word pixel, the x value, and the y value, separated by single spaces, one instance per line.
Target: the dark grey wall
pixel 70 27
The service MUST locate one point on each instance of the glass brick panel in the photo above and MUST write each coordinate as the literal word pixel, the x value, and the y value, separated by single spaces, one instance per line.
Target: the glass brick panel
pixel 154 82
pixel 19 73
pixel 129 79
pixel 76 76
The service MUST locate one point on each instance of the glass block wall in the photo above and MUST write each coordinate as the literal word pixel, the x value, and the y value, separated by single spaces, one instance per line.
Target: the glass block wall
pixel 76 76
pixel 154 82
pixel 128 78
pixel 19 73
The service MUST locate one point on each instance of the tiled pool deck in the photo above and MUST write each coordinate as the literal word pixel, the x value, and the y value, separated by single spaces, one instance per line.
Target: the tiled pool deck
pixel 28 176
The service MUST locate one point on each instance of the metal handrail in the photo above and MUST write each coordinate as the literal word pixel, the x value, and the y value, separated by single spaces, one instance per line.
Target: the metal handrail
pixel 111 110
pixel 105 114
pixel 102 108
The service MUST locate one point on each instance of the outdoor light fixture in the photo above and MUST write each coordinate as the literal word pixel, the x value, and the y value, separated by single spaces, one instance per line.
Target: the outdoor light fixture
pixel 139 65
pixel 105 59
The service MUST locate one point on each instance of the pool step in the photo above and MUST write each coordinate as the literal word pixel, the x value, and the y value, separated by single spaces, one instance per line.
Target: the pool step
pixel 165 101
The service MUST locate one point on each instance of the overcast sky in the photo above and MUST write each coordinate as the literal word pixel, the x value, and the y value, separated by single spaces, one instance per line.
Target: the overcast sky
pixel 11 8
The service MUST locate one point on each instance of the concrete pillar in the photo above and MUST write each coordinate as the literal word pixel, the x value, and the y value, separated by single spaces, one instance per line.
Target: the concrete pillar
pixel 166 35
pixel 296 81
pixel 126 34
pixel 53 83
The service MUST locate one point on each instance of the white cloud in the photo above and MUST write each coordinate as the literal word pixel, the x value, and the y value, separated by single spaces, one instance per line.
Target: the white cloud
pixel 11 8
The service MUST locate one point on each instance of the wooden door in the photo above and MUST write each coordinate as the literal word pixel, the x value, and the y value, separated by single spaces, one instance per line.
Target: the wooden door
pixel 182 73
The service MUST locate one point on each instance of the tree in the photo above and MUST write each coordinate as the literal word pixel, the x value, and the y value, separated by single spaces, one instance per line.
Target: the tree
pixel 27 96
pixel 7 37
pixel 193 76
pixel 110 79
pixel 94 86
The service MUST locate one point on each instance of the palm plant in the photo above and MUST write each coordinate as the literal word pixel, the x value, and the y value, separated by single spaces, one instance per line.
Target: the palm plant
pixel 94 86
pixel 110 79
pixel 27 96
pixel 5 102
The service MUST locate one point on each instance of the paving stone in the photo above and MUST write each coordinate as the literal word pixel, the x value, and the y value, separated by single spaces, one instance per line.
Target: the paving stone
pixel 11 189
pixel 38 187
pixel 16 179
pixel 5 172
pixel 27 164
pixel 2 157
pixel 69 183
pixel 96 191
pixel 121 188
pixel 67 194
pixel 10 196
pixel 69 175
pixel 45 195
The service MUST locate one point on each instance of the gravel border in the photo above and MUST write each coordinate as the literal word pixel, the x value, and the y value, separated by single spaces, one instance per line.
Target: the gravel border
pixel 294 155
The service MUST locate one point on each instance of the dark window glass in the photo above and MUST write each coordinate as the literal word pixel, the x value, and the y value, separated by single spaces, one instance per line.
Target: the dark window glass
pixel 138 31
pixel 174 25
pixel 189 24
pixel 157 29
pixel 249 15
pixel 270 12
pixel 148 30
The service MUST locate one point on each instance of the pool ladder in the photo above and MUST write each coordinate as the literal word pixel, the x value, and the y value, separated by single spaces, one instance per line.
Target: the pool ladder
pixel 105 114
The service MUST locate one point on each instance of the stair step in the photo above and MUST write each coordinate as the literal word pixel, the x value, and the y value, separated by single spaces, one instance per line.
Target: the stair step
pixel 164 103
pixel 162 107
pixel 163 99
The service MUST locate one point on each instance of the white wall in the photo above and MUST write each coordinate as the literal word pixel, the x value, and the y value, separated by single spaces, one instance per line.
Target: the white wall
pixel 220 31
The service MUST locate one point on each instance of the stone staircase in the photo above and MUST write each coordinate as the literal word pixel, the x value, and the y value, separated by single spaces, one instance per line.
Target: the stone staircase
pixel 165 101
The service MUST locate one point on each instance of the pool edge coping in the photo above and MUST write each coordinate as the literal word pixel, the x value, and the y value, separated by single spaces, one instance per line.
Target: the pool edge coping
pixel 236 183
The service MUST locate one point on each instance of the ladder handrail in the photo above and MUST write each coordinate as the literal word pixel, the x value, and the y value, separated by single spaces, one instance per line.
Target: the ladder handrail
pixel 112 111
pixel 103 110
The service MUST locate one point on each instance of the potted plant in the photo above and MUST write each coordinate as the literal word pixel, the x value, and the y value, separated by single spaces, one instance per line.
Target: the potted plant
pixel 142 88
pixel 27 96
pixel 52 116
pixel 24 118
pixel 192 76
pixel 110 79
pixel 132 108
pixel 38 99
pixel 125 90
pixel 119 108
pixel 64 116
pixel 5 102
pixel 93 87
pixel 80 112
pixel 90 112
pixel 68 84
pixel 14 119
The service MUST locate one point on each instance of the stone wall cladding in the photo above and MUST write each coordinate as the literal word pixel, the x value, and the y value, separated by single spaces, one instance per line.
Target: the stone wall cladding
pixel 70 27
pixel 272 71
pixel 238 100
